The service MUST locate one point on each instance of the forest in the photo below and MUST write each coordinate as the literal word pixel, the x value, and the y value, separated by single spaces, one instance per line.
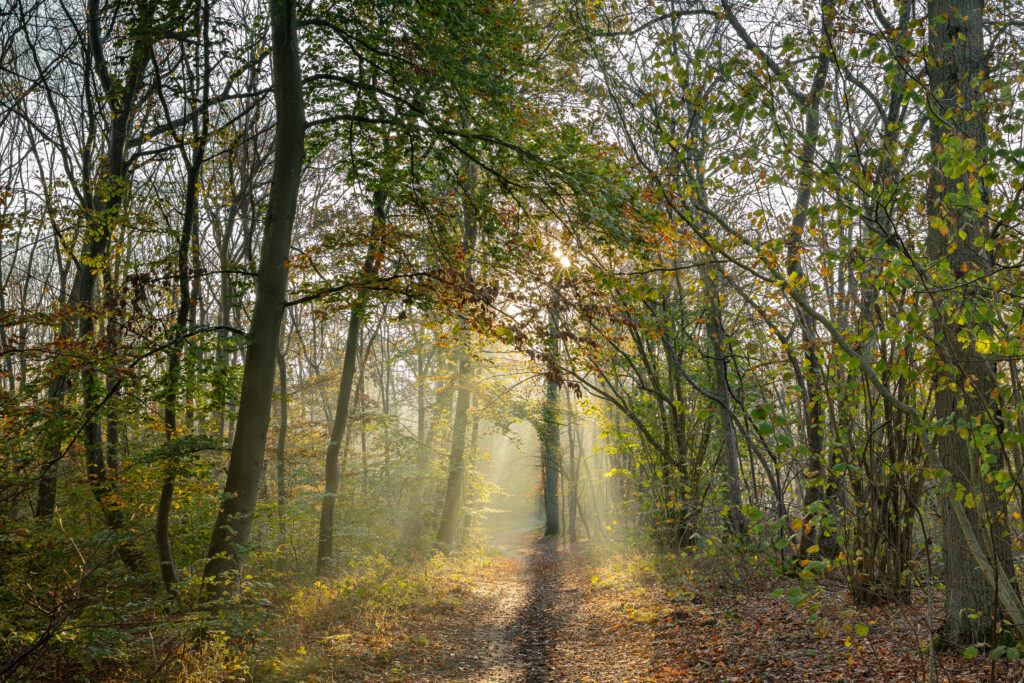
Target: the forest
pixel 511 340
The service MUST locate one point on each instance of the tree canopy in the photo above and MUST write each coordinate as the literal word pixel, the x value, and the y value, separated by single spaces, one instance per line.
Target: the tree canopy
pixel 286 285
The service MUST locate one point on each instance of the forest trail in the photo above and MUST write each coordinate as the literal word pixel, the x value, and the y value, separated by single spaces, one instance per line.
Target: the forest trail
pixel 541 610
pixel 534 615
pixel 559 625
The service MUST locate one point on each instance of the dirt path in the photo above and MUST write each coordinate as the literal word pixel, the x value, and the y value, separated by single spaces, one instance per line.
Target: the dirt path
pixel 548 608
pixel 542 611
pixel 534 616
pixel 564 629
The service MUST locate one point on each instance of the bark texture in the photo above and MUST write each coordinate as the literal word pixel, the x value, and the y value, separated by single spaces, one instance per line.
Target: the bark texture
pixel 228 544
pixel 550 445
pixel 966 398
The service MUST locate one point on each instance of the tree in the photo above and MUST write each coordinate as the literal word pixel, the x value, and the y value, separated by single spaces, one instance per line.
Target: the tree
pixel 245 468
pixel 452 506
pixel 548 429
pixel 325 542
pixel 194 166
pixel 968 394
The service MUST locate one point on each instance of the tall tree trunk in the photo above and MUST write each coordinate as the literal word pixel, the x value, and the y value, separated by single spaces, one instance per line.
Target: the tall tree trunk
pixel 194 165
pixel 572 497
pixel 282 437
pixel 325 539
pixel 450 512
pixel 957 67
pixel 422 447
pixel 4 344
pixel 814 487
pixel 105 196
pixel 234 520
pixel 168 572
pixel 549 438
pixel 222 353
pixel 716 334
pixel 111 337
pixel 413 524
pixel 446 533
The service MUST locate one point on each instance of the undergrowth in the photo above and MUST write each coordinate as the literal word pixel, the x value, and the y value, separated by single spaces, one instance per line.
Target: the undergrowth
pixel 325 626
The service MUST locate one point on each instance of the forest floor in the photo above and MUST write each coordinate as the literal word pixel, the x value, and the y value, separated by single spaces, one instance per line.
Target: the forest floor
pixel 540 610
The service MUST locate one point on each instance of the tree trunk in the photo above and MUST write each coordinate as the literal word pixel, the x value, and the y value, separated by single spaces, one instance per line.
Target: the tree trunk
pixel 282 437
pixel 814 488
pixel 446 533
pixel 168 572
pixel 572 497
pixel 105 195
pixel 716 333
pixel 549 436
pixel 416 498
pixel 234 520
pixel 422 447
pixel 957 65
pixel 325 539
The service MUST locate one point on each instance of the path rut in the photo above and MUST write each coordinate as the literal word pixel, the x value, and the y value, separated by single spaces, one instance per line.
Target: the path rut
pixel 530 622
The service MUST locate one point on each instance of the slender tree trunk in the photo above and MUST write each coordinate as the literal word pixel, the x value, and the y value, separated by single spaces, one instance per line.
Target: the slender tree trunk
pixel 282 438
pixel 234 520
pixel 450 513
pixel 111 338
pixel 325 539
pixel 414 522
pixel 716 334
pixel 223 355
pixel 363 450
pixel 101 207
pixel 814 488
pixel 422 447
pixel 549 438
pixel 4 344
pixel 194 164
pixel 168 571
pixel 572 497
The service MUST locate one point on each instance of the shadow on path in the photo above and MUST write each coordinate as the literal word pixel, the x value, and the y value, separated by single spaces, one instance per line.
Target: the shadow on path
pixel 549 607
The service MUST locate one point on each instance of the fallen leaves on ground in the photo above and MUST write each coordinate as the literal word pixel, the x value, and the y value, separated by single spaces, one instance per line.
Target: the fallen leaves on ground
pixel 544 611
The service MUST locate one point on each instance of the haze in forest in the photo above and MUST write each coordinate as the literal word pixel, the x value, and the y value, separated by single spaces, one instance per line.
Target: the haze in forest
pixel 511 341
